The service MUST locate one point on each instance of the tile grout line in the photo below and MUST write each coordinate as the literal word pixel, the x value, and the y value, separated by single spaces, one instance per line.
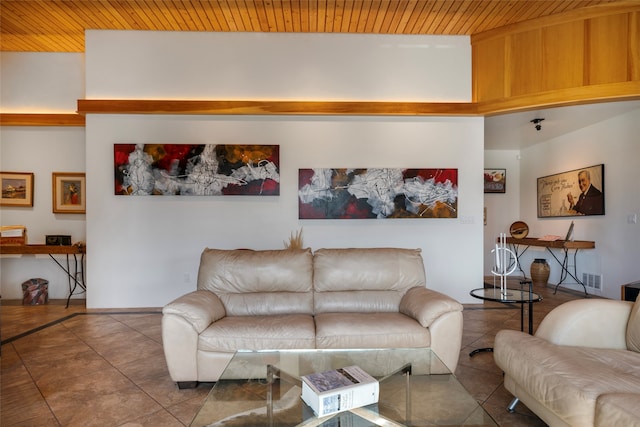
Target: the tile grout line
pixel 70 316
pixel 134 383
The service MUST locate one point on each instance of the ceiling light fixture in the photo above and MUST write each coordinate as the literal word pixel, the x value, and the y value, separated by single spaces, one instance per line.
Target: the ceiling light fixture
pixel 537 123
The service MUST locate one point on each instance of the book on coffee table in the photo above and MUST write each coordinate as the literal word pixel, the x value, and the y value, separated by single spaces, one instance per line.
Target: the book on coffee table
pixel 339 390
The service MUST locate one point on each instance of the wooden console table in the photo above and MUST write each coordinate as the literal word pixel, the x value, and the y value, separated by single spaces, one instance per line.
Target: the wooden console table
pixel 75 277
pixel 564 245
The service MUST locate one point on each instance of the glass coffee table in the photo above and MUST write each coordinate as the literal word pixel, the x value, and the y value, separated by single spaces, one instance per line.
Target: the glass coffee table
pixel 263 388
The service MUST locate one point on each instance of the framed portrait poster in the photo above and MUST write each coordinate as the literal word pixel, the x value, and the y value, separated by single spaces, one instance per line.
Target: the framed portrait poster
pixel 69 192
pixel 495 180
pixel 573 193
pixel 17 188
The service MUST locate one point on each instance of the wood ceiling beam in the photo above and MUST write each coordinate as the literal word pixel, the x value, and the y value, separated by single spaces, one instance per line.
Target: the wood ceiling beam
pixel 355 108
pixel 17 119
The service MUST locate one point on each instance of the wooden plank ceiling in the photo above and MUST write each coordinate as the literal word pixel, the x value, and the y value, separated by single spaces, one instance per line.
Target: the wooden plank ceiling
pixel 58 25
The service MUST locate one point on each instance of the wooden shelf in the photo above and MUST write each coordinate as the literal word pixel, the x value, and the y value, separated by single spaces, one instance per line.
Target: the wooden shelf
pixel 120 106
pixel 17 119
pixel 41 249
pixel 561 244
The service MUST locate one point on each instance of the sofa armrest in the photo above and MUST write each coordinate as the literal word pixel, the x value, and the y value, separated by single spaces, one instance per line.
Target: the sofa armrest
pixel 597 323
pixel 426 305
pixel 182 322
pixel 199 308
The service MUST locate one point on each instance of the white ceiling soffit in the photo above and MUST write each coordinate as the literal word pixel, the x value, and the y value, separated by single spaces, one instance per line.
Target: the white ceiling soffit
pixel 516 132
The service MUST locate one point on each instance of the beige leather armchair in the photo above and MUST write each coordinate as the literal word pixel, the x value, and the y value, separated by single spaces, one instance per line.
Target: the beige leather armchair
pixel 582 367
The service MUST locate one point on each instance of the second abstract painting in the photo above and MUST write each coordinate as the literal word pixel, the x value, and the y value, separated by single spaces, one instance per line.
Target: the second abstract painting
pixel 377 193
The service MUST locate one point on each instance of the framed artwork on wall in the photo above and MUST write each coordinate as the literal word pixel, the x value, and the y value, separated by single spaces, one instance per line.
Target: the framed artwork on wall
pixel 495 180
pixel 332 193
pixel 17 188
pixel 69 192
pixel 574 193
pixel 196 170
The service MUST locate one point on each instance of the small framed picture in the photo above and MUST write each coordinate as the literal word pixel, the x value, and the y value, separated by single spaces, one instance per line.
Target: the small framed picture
pixel 69 192
pixel 495 180
pixel 17 188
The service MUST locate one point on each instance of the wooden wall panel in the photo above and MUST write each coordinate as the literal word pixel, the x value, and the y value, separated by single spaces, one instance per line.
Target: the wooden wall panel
pixel 563 56
pixel 489 69
pixel 607 49
pixel 594 55
pixel 634 46
pixel 525 65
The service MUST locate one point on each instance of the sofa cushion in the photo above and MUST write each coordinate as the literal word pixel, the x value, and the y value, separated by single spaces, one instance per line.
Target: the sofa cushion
pixel 259 333
pixel 566 379
pixel 618 410
pixel 259 282
pixel 369 330
pixel 364 279
pixel 633 328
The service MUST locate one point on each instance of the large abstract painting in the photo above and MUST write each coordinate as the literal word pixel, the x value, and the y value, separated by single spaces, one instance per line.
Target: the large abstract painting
pixel 377 193
pixel 196 169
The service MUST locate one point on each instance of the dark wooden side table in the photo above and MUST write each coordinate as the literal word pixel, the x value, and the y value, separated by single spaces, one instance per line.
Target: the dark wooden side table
pixel 512 296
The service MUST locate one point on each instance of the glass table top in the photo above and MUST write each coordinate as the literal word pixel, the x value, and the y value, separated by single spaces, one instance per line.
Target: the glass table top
pixel 511 295
pixel 263 388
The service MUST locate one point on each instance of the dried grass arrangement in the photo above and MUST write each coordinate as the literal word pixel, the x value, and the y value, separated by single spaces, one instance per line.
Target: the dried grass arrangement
pixel 295 241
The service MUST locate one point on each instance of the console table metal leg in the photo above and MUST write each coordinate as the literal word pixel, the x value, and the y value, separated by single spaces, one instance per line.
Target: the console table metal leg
pixel 72 278
pixel 566 272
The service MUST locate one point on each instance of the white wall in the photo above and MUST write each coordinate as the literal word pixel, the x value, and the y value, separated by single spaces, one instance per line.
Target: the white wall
pixel 148 245
pixel 502 209
pixel 277 66
pixel 39 83
pixel 613 142
pixel 144 251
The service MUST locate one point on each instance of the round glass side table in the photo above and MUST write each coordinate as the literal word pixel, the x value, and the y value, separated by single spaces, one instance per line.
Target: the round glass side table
pixel 511 296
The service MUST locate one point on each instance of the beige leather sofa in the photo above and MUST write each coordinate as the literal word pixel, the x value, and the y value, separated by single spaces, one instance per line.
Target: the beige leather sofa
pixel 582 367
pixel 296 299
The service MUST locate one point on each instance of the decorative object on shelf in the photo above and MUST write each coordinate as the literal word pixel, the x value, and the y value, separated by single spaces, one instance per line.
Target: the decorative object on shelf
pixel 495 180
pixel 13 235
pixel 540 272
pixel 573 193
pixel 57 240
pixel 519 230
pixel 17 188
pixel 569 235
pixel 377 193
pixel 196 170
pixel 69 192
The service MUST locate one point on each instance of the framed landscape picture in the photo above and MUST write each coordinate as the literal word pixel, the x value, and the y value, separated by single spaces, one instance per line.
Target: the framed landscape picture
pixel 17 188
pixel 69 192
pixel 574 193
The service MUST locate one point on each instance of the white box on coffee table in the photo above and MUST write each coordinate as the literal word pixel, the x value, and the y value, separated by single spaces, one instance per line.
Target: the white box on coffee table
pixel 339 390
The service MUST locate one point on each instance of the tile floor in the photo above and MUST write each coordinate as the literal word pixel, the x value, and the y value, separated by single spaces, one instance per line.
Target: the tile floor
pixel 106 367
